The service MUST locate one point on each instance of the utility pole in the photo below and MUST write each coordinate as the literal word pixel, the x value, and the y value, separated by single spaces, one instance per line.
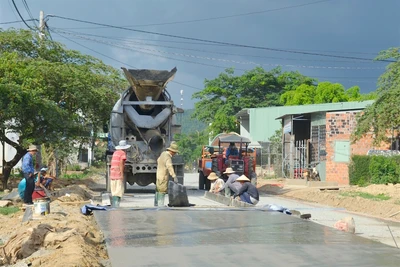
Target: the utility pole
pixel 41 24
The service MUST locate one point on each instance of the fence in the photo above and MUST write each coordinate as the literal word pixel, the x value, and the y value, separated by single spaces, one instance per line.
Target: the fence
pixel 269 159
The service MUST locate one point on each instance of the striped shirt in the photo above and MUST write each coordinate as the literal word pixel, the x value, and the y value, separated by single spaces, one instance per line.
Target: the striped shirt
pixel 115 172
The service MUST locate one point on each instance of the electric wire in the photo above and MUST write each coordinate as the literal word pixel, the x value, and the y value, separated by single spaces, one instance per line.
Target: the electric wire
pixel 317 77
pixel 19 14
pixel 208 51
pixel 116 60
pixel 16 21
pixel 216 42
pixel 141 49
pixel 213 18
pixel 29 12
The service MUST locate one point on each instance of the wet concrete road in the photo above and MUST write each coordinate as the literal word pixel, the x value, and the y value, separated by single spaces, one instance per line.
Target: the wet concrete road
pixel 217 237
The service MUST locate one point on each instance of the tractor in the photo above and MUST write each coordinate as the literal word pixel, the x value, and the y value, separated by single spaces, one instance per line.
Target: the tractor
pixel 213 159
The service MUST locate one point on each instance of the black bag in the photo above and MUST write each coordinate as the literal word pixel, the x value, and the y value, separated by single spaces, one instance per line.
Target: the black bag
pixel 177 195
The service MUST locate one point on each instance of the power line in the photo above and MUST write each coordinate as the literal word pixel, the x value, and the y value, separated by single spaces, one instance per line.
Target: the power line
pixel 29 12
pixel 209 44
pixel 16 8
pixel 116 60
pixel 16 21
pixel 123 46
pixel 213 18
pixel 208 51
pixel 215 42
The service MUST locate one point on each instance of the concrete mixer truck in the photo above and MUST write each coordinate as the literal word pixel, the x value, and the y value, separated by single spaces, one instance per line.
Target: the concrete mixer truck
pixel 146 117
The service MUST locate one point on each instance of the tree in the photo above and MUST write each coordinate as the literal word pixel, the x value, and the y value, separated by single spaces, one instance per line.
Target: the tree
pixel 302 95
pixel 190 146
pixel 383 116
pixel 327 92
pixel 324 92
pixel 49 94
pixel 227 94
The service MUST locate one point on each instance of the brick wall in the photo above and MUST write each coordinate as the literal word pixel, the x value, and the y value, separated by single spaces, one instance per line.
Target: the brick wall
pixel 339 127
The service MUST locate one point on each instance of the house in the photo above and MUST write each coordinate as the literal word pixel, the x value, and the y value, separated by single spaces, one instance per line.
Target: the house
pixel 315 135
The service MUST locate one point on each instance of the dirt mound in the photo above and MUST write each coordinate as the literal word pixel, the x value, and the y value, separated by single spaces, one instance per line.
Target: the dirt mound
pixel 352 200
pixel 65 231
pixel 74 193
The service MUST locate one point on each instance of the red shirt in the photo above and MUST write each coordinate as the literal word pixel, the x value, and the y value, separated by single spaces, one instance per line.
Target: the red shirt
pixel 115 172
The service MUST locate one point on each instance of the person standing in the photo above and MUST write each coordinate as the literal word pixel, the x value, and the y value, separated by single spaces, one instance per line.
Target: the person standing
pixel 164 170
pixel 28 171
pixel 117 172
pixel 248 192
pixel 230 184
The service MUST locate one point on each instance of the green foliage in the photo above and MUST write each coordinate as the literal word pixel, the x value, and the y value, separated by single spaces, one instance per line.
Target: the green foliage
pixel 327 92
pixel 74 176
pixel 190 146
pixel 8 210
pixel 302 95
pixel 227 94
pixel 383 114
pixel 378 197
pixel 324 92
pixel 384 169
pixel 359 170
pixel 374 169
pixel 49 94
pixel 190 124
pixel 74 167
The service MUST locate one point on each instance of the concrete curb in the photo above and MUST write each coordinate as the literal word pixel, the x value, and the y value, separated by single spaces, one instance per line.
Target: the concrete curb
pixel 226 200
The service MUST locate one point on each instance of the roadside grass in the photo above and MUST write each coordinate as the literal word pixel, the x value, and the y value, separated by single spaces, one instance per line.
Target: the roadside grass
pixel 8 210
pixel 378 197
pixel 75 176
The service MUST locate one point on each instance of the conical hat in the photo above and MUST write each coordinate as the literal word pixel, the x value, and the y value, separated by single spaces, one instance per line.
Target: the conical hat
pixel 243 178
pixel 212 176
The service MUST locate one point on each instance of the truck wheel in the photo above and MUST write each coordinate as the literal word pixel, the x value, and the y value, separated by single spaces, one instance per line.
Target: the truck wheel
pixel 207 184
pixel 201 181
pixel 108 185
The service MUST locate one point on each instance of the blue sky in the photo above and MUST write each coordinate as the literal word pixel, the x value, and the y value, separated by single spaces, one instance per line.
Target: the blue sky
pixel 351 28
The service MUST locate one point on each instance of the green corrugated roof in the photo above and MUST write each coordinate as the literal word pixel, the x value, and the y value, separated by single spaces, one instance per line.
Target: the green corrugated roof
pixel 264 123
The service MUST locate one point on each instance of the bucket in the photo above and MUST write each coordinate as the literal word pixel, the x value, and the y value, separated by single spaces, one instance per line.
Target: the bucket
pixel 42 206
pixel 106 199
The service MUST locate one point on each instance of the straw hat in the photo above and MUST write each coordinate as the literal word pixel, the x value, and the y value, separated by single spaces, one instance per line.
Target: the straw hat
pixel 228 171
pixel 173 147
pixel 243 178
pixel 122 145
pixel 32 148
pixel 212 176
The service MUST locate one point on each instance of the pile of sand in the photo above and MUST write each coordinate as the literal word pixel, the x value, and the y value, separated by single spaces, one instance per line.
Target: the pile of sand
pixel 65 237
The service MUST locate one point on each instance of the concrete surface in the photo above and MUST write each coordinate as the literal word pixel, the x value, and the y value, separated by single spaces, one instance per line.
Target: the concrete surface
pixel 371 228
pixel 198 237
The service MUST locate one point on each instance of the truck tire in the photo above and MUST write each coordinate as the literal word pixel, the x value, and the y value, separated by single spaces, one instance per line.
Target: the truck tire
pixel 108 185
pixel 201 181
pixel 207 184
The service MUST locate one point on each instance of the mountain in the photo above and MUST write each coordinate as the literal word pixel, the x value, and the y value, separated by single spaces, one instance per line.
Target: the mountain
pixel 190 125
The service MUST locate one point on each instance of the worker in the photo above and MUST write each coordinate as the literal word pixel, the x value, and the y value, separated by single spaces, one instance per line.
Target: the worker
pixel 217 184
pixel 43 179
pixel 29 171
pixel 41 182
pixel 230 184
pixel 117 172
pixel 248 192
pixel 164 170
pixel 231 151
